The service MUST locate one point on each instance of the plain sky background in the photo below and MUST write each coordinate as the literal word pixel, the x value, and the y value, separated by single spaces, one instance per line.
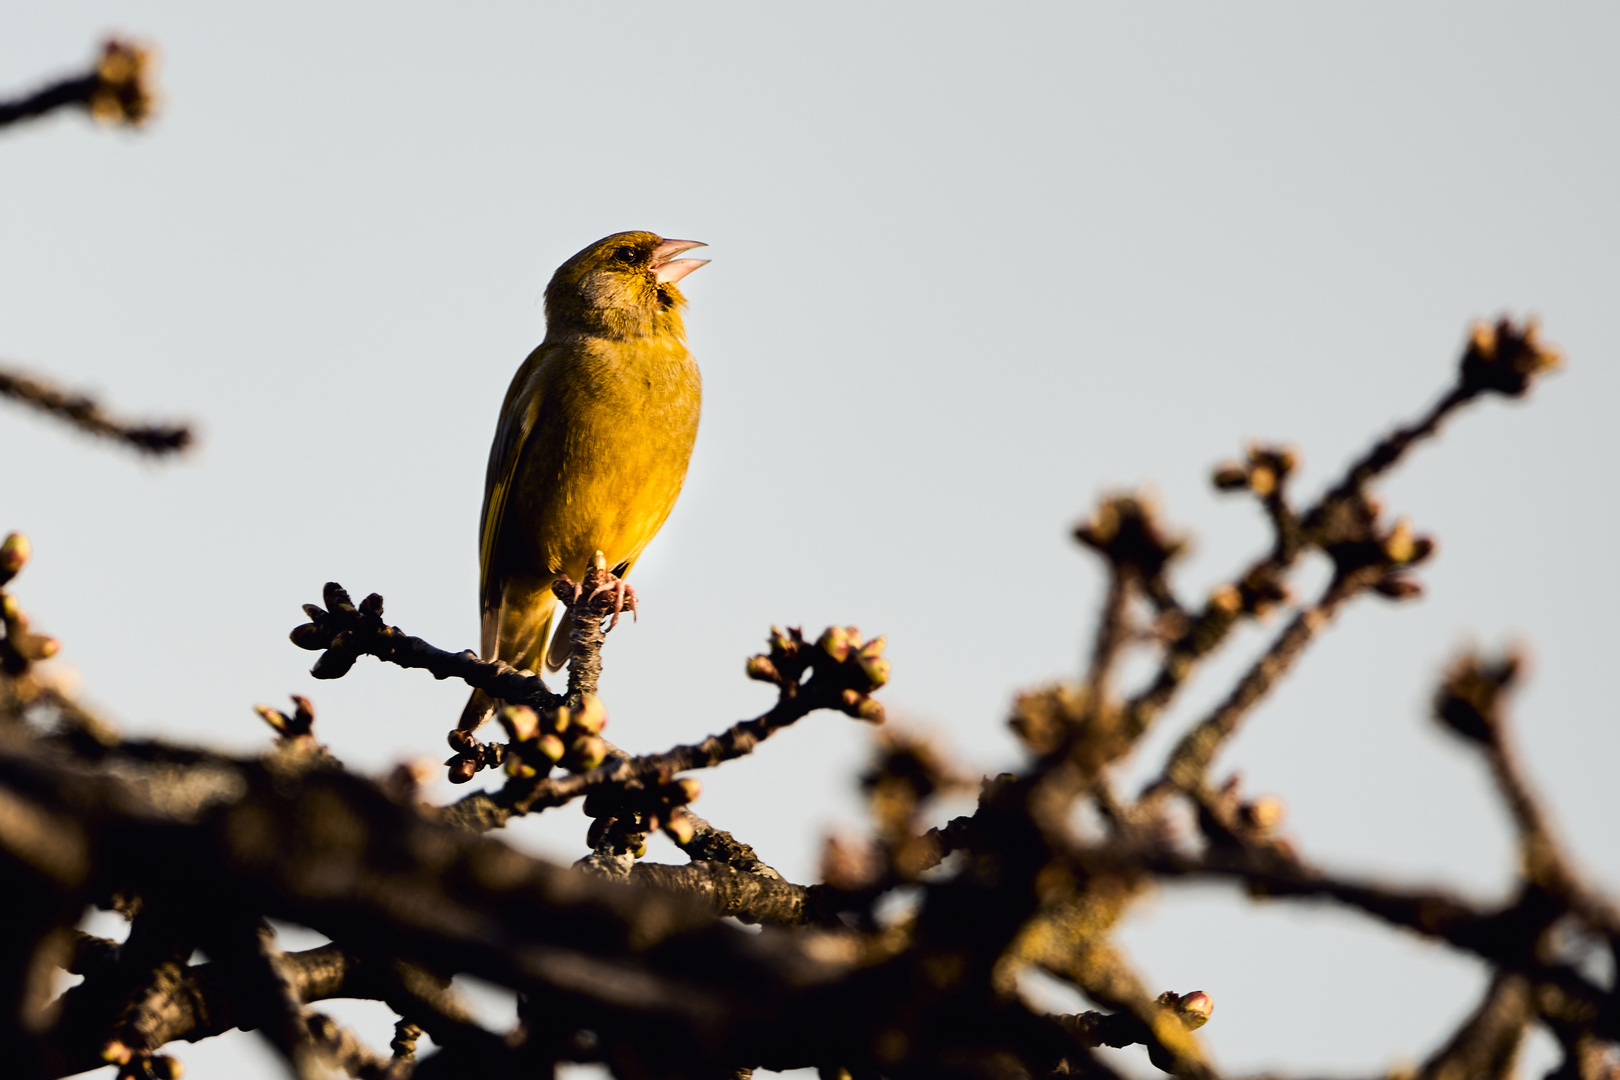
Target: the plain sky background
pixel 974 265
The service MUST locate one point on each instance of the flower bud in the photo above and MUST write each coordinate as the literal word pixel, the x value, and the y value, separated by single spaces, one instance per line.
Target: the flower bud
pixel 1399 545
pixel 876 669
pixel 164 1067
pixel 333 664
pixel 1264 813
pixel 588 751
pixel 551 748
pixel 834 641
pixel 271 717
pixel 1397 587
pixel 1231 477
pixel 372 605
pixel 561 719
pixel 780 642
pixel 1195 1009
pixel 14 552
pixel 592 715
pixel 337 598
pixel 870 710
pixel 310 636
pixel 41 648
pixel 874 648
pixel 761 669
pixel 680 827
pixel 685 790
pixel 1226 599
pixel 521 722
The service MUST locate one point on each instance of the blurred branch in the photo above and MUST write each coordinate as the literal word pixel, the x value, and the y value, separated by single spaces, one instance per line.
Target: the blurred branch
pixel 117 90
pixel 83 413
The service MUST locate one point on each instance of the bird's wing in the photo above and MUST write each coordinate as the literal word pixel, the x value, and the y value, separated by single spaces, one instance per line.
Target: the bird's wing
pixel 518 415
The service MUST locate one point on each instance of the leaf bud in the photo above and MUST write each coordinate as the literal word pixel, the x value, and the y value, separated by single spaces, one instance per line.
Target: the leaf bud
pixel 780 642
pixel 460 740
pixel 116 1053
pixel 41 648
pixel 372 605
pixel 164 1067
pixel 870 710
pixel 685 790
pixel 761 669
pixel 462 769
pixel 1262 479
pixel 519 769
pixel 874 647
pixel 834 641
pixel 12 612
pixel 561 718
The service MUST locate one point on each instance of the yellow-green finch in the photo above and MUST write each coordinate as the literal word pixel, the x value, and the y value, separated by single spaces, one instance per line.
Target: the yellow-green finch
pixel 592 444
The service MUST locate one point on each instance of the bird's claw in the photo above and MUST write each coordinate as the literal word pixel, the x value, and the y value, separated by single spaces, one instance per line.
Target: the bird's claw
pixel 624 596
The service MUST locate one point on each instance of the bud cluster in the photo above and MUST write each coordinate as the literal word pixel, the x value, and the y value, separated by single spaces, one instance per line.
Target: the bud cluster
pixel 123 93
pixel 839 661
pixel 471 756
pixel 19 647
pixel 1265 472
pixel 342 630
pixel 300 725
pixel 562 736
pixel 1505 359
pixel 1349 530
pixel 623 815
pixel 1469 702
pixel 1126 530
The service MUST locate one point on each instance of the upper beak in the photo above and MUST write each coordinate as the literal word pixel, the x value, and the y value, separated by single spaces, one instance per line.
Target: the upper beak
pixel 667 267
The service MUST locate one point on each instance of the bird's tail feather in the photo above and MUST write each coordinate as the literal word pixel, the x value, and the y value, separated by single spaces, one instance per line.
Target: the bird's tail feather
pixel 561 644
pixel 480 706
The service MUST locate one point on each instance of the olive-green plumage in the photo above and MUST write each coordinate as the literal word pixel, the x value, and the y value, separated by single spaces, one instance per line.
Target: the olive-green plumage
pixel 592 444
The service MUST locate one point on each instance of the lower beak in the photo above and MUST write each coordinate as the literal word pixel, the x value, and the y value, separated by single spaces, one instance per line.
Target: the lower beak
pixel 669 269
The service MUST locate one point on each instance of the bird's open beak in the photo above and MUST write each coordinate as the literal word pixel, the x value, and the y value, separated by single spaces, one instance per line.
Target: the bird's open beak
pixel 667 267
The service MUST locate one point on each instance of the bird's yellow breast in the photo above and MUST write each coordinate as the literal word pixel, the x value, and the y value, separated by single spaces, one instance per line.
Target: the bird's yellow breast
pixel 604 462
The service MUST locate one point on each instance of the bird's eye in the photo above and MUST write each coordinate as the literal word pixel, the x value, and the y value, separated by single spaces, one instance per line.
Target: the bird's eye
pixel 626 254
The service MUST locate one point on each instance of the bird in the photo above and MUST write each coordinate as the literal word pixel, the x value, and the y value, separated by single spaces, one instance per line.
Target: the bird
pixel 592 444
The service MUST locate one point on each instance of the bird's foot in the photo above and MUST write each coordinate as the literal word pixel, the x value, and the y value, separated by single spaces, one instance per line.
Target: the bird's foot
pixel 560 586
pixel 623 596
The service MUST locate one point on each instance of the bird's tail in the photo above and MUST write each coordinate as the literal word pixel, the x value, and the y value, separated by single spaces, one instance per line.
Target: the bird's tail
pixel 562 644
pixel 480 706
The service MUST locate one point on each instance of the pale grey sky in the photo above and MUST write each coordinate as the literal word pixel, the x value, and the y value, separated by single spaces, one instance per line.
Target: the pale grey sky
pixel 973 266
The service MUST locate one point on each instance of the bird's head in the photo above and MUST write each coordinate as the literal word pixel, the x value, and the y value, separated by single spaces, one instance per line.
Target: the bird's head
pixel 622 286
